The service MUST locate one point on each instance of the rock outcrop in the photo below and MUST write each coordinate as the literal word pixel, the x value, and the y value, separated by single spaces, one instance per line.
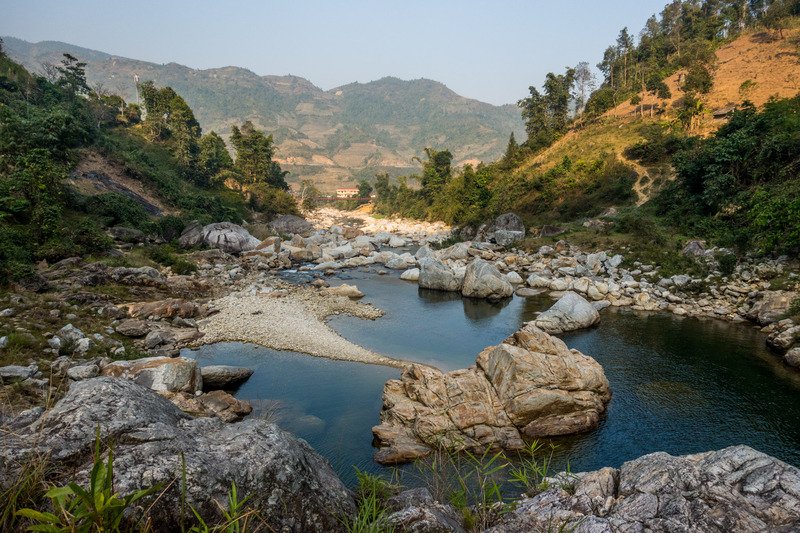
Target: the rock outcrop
pixel 483 280
pixel 296 489
pixel 569 313
pixel 736 489
pixel 530 385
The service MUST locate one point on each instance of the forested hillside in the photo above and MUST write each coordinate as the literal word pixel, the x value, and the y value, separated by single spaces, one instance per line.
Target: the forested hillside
pixel 694 130
pixel 50 128
pixel 330 136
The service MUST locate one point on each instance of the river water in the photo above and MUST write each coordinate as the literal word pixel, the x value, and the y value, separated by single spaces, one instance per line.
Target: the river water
pixel 679 385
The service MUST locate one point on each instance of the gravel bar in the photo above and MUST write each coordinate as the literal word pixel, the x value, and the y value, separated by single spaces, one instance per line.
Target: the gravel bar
pixel 291 319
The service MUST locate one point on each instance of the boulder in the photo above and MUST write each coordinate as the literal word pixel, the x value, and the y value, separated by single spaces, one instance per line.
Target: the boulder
pixel 224 376
pixel 423 252
pixel 161 374
pixel 771 306
pixel 126 234
pixel 483 280
pixel 191 236
pixel 734 489
pixel 137 276
pixel 412 274
pixel 792 357
pixel 350 291
pixel 295 488
pixel 694 249
pixel 216 403
pixel 291 224
pixel 530 385
pixel 782 341
pixel 162 309
pixel 505 222
pixel 507 238
pixel 455 252
pixel 438 276
pixel 229 237
pixel 133 328
pixel 569 313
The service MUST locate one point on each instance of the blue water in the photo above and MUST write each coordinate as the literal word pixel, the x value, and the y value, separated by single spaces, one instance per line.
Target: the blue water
pixel 679 385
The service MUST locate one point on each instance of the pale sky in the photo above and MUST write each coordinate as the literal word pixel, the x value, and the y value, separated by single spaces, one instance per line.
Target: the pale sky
pixel 490 51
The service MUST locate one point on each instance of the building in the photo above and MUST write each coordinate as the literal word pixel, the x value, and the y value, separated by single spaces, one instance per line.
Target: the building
pixel 347 192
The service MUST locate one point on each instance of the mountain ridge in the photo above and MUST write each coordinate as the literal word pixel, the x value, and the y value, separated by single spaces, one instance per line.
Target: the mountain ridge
pixel 333 136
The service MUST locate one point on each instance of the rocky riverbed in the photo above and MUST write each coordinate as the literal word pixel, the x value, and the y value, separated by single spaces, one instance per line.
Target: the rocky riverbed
pixel 87 316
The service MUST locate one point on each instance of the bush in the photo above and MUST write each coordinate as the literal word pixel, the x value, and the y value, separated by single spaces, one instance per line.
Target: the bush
pixel 117 209
pixel 727 264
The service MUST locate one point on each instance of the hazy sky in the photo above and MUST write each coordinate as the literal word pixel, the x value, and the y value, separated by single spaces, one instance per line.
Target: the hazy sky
pixel 490 50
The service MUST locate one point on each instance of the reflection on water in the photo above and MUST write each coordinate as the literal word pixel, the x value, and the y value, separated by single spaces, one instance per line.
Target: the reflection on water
pixel 679 385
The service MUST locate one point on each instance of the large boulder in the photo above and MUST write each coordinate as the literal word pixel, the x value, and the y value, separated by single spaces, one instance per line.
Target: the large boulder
pixel 295 488
pixel 291 225
pixel 569 313
pixel 438 276
pixel 229 237
pixel 771 306
pixel 736 489
pixel 531 385
pixel 162 374
pixel 508 222
pixel 191 236
pixel 483 280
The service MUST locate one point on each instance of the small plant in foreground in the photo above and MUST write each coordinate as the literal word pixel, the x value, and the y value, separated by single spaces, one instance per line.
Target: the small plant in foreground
pixel 479 496
pixel 371 495
pixel 237 517
pixel 78 510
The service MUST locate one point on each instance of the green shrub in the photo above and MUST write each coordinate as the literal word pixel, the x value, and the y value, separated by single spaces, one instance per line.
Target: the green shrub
pixel 727 263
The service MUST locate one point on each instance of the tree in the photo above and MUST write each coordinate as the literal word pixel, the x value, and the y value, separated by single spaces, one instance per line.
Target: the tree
pixel 435 172
pixel 308 194
pixel 624 47
pixel 212 157
pixel 364 189
pixel 584 83
pixel 72 76
pixel 546 115
pixel 254 152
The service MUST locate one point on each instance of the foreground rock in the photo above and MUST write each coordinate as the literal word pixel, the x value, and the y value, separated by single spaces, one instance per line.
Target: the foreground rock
pixel 736 489
pixel 569 313
pixel 296 488
pixel 530 385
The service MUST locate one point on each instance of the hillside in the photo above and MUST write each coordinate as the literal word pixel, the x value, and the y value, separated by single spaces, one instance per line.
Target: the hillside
pixel 768 67
pixel 331 136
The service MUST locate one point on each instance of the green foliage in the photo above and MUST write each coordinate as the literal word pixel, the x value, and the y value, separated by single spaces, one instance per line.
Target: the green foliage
pixel 254 152
pixel 371 495
pixel 727 263
pixel 546 114
pixel 659 145
pixel 740 184
pixel 95 509
pixel 117 209
pixel 236 517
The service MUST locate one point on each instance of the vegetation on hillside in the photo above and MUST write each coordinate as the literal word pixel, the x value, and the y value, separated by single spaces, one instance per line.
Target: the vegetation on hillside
pixel 45 123
pixel 737 188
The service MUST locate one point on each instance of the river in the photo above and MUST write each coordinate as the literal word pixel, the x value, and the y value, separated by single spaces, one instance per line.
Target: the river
pixel 679 385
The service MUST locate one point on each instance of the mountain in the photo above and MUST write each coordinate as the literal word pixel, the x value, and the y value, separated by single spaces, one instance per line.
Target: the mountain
pixel 334 136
